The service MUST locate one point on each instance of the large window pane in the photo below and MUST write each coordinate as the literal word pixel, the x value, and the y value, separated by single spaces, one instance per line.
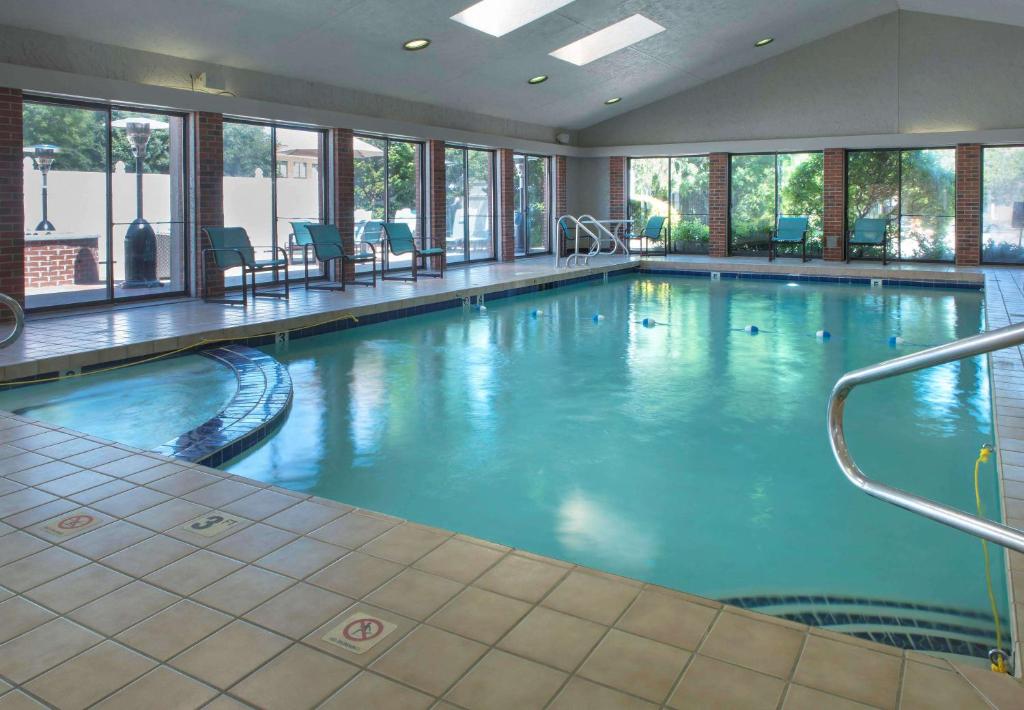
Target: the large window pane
pixel 248 188
pixel 537 203
pixel 388 187
pixel 648 192
pixel 455 204
pixel 404 198
pixel 479 181
pixel 519 202
pixel 928 205
pixel 873 190
pixel 688 205
pixel 801 193
pixel 753 202
pixel 299 191
pixel 369 185
pixel 1003 205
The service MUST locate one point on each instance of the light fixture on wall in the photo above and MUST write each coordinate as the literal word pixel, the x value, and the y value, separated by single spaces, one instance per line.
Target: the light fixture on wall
pixel 415 45
pixel 764 42
pixel 43 156
pixel 539 79
pixel 140 239
pixel 613 100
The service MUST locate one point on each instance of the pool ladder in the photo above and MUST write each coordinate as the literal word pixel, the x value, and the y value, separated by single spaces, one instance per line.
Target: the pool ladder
pixel 991 341
pixel 587 224
pixel 19 320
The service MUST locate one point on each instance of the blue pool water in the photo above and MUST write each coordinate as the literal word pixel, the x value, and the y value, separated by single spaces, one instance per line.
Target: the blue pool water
pixel 690 454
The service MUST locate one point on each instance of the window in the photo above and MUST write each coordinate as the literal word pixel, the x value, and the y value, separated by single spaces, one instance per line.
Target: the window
pixel 532 188
pixel 302 170
pixel 764 187
pixel 915 190
pixel 102 227
pixel 676 188
pixel 469 179
pixel 1002 220
pixel 264 197
pixel 389 186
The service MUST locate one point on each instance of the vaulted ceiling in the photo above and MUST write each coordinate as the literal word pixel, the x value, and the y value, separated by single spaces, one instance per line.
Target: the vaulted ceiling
pixel 357 44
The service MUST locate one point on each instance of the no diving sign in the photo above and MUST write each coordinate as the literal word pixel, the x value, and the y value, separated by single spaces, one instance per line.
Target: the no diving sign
pixel 359 632
pixel 72 523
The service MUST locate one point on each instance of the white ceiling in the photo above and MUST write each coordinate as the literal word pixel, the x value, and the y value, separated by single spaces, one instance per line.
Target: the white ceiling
pixel 357 44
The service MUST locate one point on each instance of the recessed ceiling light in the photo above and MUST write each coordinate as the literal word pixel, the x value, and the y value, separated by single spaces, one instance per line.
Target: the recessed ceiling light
pixel 615 100
pixel 499 17
pixel 416 44
pixel 610 39
pixel 539 79
pixel 764 42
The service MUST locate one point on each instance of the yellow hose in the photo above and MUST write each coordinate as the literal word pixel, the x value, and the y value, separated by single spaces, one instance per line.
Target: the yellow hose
pixel 996 657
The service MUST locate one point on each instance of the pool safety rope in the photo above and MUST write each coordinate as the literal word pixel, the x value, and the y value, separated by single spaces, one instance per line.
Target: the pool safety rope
pixel 198 344
pixel 997 656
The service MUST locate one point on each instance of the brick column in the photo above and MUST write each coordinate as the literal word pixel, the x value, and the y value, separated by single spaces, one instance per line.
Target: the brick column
pixel 437 190
pixel 718 204
pixel 834 221
pixel 506 205
pixel 968 205
pixel 617 188
pixel 12 198
pixel 560 194
pixel 343 193
pixel 208 129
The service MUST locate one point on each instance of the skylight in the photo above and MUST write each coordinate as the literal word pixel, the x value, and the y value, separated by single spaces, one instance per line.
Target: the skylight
pixel 611 39
pixel 499 17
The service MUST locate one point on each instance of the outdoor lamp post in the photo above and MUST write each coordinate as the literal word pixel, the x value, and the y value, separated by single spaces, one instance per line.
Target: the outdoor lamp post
pixel 43 156
pixel 140 239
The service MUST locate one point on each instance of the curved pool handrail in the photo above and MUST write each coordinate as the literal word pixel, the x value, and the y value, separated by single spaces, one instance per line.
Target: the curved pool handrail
pixel 991 341
pixel 19 320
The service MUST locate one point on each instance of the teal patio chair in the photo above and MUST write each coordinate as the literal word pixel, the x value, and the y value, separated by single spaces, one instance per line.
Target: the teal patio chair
pixel 328 248
pixel 653 231
pixel 400 242
pixel 789 231
pixel 230 248
pixel 868 232
pixel 567 238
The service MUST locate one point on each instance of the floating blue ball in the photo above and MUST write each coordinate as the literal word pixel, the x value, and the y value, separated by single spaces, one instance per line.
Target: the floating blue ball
pixel 752 329
pixel 823 335
pixel 649 322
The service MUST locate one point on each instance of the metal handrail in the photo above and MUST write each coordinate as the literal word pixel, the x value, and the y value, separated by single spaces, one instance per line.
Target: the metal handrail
pixel 575 256
pixel 616 242
pixel 19 320
pixel 957 350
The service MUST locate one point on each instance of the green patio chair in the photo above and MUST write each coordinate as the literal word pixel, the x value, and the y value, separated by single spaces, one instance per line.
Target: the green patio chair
pixel 400 242
pixel 868 232
pixel 653 231
pixel 567 238
pixel 790 231
pixel 328 248
pixel 230 248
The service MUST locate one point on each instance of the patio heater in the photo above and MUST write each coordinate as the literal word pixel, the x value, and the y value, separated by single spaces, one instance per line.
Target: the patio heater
pixel 140 239
pixel 43 156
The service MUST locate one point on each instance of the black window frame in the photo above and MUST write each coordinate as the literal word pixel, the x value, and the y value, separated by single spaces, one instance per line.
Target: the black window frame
pixel 551 218
pixel 465 191
pixel 668 218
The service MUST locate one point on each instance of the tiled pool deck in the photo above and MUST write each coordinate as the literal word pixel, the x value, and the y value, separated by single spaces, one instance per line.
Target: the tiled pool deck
pixel 135 609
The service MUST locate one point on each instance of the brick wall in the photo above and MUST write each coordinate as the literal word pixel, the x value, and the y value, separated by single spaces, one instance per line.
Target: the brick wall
pixel 617 188
pixel 343 186
pixel 834 222
pixel 12 198
pixel 718 204
pixel 437 190
pixel 968 204
pixel 62 262
pixel 560 192
pixel 208 132
pixel 506 205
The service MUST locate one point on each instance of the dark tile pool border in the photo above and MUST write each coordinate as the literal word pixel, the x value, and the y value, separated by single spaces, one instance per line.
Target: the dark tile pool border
pixel 814 278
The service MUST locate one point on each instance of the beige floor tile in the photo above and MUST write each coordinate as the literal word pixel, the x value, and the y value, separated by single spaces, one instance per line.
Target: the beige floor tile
pixel 368 690
pixel 301 558
pixel 19 544
pixel 41 513
pixel 174 691
pixel 298 610
pixel 42 648
pixel 356 574
pixel 220 493
pixel 522 578
pixel 849 671
pixel 127 465
pixel 758 645
pixel 190 574
pixel 304 516
pixel 459 560
pixel 481 615
pixel 98 456
pixel 402 627
pixel 18 615
pixel 107 490
pixel 298 678
pixel 130 502
pixel 636 665
pixel 75 483
pixel 230 654
pixel 709 683
pixel 173 630
pixel 87 678
pixel 1001 690
pixel 77 588
pixel 124 607
pixel 37 475
pixel 39 568
pixel 24 499
pixel 253 542
pixel 592 597
pixel 415 594
pixel 429 659
pixel 353 529
pixel 581 694
pixel 260 505
pixel 168 514
pixel 108 539
pixel 929 688
pixel 505 682
pixel 799 697
pixel 151 554
pixel 405 543
pixel 243 590
pixel 668 619
pixel 554 638
pixel 17 700
pixel 182 481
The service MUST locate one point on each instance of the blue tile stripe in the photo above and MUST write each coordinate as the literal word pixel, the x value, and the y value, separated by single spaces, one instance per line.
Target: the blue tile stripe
pixel 263 396
pixel 815 278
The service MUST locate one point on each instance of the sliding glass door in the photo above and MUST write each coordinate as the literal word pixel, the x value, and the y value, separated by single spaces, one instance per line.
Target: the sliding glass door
pixel 469 206
pixel 531 184
pixel 388 186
